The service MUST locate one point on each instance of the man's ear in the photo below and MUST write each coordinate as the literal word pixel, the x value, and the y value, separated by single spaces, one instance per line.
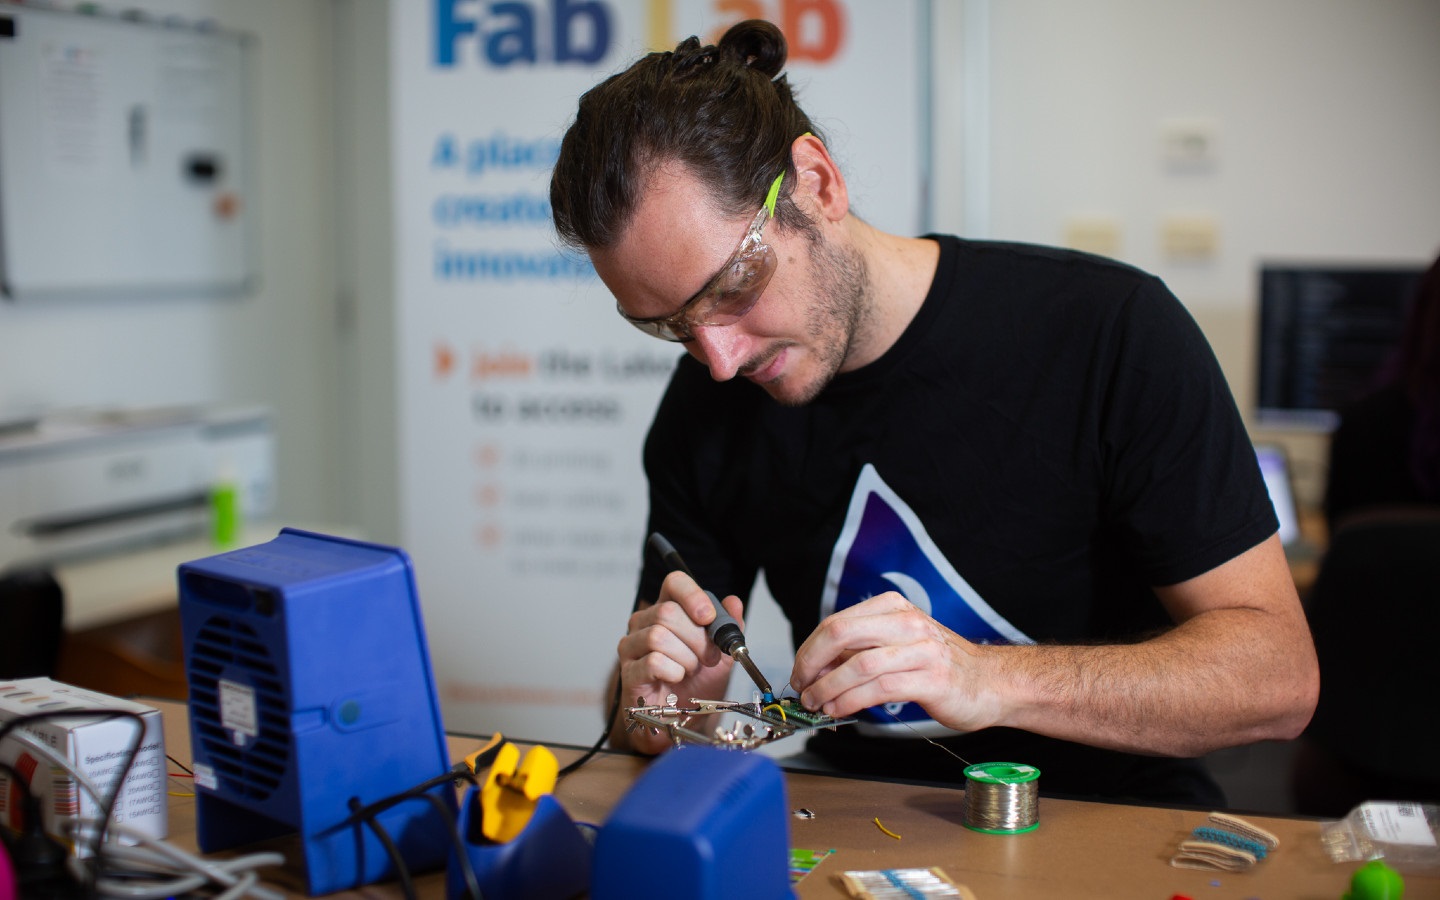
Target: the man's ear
pixel 820 188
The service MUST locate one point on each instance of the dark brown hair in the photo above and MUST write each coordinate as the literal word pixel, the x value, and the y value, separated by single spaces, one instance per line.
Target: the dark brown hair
pixel 723 111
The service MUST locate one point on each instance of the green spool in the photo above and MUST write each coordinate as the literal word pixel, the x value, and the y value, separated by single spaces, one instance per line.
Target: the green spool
pixel 1002 798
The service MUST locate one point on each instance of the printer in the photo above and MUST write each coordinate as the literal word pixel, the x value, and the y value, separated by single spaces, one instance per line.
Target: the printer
pixel 81 482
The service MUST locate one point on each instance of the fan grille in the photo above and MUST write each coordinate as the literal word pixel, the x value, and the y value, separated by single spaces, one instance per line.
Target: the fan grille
pixel 226 648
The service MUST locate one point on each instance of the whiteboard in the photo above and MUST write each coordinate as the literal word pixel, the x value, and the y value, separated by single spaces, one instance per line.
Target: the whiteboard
pixel 123 156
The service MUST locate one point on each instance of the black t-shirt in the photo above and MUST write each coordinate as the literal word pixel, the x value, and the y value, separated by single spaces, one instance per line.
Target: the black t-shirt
pixel 1050 436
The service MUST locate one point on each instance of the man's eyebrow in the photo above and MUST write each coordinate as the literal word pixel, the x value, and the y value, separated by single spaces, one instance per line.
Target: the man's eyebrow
pixel 692 298
pixel 708 282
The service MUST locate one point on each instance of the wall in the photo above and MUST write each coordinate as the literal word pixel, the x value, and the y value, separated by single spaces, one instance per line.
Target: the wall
pixel 279 344
pixel 1326 122
pixel 367 414
pixel 1323 111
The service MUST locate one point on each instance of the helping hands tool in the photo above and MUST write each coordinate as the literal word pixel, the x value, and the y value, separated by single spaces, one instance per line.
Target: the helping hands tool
pixel 724 631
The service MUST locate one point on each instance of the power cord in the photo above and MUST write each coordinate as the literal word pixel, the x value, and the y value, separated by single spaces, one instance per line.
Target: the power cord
pixel 600 742
pixel 153 869
pixel 465 770
pixel 609 718
pixel 148 870
pixel 86 874
pixel 38 859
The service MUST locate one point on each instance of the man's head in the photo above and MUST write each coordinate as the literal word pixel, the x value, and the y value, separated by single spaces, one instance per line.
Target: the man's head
pixel 697 186
pixel 724 112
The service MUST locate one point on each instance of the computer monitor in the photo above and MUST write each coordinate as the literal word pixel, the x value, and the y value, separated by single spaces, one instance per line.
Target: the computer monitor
pixel 1325 333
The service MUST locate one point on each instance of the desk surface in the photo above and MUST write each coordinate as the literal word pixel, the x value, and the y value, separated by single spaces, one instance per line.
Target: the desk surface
pixel 1081 850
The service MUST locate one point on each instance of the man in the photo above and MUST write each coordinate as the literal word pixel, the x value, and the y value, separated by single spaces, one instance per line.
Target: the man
pixel 1002 493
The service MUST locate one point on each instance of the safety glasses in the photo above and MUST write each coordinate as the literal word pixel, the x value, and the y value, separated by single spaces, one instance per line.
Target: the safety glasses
pixel 734 290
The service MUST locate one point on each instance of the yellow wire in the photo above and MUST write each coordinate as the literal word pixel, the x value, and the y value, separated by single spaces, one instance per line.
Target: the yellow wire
pixel 776 706
pixel 886 830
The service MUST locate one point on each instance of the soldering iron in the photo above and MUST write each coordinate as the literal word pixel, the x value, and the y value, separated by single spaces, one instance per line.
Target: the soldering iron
pixel 724 631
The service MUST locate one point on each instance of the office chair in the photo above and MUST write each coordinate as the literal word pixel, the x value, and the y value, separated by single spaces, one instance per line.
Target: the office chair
pixel 32 614
pixel 1375 614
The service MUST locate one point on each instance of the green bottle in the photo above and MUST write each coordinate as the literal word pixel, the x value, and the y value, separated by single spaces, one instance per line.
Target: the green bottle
pixel 225 513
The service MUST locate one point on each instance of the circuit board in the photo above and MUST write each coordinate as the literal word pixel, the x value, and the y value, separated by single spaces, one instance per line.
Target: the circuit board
pixel 747 725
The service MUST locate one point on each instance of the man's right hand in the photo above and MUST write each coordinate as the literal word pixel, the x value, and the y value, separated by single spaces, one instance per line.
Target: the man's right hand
pixel 666 651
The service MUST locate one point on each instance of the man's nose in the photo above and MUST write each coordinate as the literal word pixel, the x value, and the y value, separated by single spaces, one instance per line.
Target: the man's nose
pixel 721 348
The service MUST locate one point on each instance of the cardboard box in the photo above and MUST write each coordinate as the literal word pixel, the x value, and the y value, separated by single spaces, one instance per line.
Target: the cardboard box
pixel 93 743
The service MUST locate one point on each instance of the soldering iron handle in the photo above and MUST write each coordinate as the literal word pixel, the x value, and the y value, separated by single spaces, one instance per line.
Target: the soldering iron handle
pixel 724 631
pixel 667 552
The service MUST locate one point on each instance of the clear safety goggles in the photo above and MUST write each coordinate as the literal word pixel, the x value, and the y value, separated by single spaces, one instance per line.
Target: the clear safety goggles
pixel 734 290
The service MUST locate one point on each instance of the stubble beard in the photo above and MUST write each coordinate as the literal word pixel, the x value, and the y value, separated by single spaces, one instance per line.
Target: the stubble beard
pixel 839 316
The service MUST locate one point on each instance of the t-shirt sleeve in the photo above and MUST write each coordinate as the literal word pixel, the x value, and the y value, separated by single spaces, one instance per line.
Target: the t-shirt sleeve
pixel 1184 489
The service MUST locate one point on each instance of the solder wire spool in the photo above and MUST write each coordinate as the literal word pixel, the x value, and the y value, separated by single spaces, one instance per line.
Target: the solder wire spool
pixel 1002 798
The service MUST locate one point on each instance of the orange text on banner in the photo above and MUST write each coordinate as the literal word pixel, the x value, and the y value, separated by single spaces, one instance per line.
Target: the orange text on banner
pixel 814 29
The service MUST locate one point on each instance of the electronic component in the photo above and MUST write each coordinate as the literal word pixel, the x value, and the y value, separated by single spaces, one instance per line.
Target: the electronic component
pixel 776 720
pixel 795 713
pixel 877 883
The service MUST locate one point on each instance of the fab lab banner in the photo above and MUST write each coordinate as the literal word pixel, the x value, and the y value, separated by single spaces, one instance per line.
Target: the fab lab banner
pixel 524 399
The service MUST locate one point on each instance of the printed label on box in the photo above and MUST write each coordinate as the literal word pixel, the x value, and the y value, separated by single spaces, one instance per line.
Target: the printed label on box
pixel 1397 823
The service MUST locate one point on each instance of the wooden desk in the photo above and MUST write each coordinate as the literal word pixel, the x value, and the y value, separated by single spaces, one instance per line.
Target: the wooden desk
pixel 1081 850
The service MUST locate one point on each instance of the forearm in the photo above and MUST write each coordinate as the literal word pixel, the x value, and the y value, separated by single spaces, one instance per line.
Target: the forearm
pixel 1238 666
pixel 1223 678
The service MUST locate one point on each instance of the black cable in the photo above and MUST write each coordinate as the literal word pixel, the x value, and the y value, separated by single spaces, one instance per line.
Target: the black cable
pixel 34 854
pixel 610 718
pixel 179 764
pixel 407 882
pixel 450 776
pixel 107 806
pixel 467 869
pixel 609 723
pixel 368 814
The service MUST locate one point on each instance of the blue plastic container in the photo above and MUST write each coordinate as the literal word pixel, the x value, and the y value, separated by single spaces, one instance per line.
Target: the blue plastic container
pixel 701 824
pixel 310 686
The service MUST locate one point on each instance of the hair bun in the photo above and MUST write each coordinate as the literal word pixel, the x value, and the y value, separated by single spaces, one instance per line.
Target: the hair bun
pixel 758 44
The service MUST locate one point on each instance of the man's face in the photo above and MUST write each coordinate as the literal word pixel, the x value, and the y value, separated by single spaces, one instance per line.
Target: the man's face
pixel 796 337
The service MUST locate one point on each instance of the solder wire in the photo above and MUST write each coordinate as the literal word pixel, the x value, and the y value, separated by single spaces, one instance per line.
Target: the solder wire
pixel 924 738
pixel 1002 798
